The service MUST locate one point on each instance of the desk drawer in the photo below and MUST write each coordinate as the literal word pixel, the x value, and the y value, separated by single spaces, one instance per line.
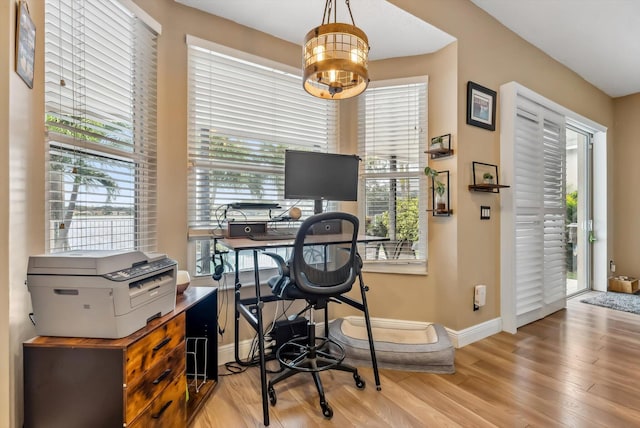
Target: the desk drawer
pixel 169 409
pixel 154 347
pixel 142 391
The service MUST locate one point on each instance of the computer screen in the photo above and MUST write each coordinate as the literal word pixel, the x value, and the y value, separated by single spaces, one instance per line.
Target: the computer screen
pixel 320 176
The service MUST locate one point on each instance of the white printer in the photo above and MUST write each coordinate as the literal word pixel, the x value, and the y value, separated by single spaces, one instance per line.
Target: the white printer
pixel 99 294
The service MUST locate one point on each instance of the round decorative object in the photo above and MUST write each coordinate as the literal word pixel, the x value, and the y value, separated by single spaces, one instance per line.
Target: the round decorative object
pixel 295 213
pixel 183 281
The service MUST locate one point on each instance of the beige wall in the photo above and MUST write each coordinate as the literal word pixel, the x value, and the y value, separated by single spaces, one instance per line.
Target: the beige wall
pixel 491 55
pixel 23 205
pixel 6 59
pixel 463 250
pixel 626 179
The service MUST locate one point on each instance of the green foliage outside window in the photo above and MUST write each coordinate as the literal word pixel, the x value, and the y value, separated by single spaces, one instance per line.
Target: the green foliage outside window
pixel 406 221
pixel 572 207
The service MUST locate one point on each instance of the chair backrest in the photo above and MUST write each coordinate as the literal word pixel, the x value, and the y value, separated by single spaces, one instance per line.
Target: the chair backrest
pixel 324 259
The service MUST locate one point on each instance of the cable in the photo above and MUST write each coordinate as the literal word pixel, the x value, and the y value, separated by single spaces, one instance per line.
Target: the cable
pixel 223 304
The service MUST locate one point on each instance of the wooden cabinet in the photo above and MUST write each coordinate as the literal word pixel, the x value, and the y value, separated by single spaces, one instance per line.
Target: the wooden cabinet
pixel 136 381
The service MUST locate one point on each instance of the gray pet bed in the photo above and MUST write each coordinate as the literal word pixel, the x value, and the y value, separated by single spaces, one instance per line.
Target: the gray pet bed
pixel 423 347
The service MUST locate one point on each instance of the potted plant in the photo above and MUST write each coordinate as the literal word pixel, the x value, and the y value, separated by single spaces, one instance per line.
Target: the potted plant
pixel 436 144
pixel 487 178
pixel 440 202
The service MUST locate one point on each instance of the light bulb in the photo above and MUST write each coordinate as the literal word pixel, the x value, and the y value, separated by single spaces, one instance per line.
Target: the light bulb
pixel 355 55
pixel 318 52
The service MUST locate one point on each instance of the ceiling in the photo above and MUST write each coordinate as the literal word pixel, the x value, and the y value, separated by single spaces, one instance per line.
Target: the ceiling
pixel 598 39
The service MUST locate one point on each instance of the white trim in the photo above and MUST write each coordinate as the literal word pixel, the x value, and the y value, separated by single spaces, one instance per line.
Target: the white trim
pixel 226 354
pixel 600 205
pixel 143 15
pixel 236 54
pixel 514 88
pixel 475 333
pixel 458 338
pixel 399 81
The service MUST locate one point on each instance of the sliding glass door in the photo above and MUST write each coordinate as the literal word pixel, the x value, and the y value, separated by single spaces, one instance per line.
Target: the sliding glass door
pixel 579 223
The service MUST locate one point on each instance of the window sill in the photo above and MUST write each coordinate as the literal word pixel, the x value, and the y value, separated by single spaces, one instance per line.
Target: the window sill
pixel 395 268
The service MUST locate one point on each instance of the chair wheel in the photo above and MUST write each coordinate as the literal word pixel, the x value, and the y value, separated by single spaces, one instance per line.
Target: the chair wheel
pixel 327 411
pixel 273 399
pixel 360 383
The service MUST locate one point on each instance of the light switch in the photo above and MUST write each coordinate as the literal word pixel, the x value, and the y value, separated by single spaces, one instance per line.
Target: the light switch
pixel 485 212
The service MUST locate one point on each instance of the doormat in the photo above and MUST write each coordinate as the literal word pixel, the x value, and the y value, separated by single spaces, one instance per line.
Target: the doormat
pixel 619 301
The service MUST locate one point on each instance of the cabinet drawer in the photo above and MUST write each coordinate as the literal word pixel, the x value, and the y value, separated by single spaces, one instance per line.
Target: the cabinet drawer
pixel 142 391
pixel 154 347
pixel 169 409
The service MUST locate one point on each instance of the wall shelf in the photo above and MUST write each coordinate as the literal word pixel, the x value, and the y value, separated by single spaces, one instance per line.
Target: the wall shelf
pixel 441 200
pixel 487 188
pixel 440 147
pixel 485 178
pixel 439 153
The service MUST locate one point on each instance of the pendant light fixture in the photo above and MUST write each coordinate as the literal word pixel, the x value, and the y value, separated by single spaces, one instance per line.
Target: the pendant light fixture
pixel 335 57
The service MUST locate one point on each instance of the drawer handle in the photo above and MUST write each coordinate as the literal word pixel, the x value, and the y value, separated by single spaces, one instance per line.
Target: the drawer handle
pixel 165 407
pixel 161 344
pixel 162 376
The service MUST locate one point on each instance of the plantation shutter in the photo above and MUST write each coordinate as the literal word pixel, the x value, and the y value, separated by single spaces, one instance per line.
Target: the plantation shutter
pixel 100 119
pixel 535 209
pixel 244 112
pixel 392 132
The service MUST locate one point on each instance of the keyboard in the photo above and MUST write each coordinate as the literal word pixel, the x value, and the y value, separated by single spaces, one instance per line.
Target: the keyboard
pixel 253 205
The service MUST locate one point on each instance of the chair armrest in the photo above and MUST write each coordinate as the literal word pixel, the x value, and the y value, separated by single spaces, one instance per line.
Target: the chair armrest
pixel 283 269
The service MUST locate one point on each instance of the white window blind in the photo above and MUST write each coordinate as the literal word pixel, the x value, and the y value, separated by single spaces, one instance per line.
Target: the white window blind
pixel 244 112
pixel 100 119
pixel 392 136
pixel 538 206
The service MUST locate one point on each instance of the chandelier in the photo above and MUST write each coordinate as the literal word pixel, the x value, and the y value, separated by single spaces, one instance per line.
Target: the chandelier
pixel 335 57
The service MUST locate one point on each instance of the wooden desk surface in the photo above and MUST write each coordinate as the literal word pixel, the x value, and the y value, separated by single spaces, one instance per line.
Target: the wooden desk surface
pixel 237 244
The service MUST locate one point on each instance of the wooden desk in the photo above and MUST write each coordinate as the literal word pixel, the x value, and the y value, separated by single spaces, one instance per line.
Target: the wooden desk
pixel 135 381
pixel 251 308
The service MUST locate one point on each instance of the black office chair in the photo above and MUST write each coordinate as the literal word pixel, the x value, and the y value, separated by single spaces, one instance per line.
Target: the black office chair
pixel 323 266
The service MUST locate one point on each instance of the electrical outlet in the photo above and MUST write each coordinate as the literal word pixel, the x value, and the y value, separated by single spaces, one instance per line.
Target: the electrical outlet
pixel 612 266
pixel 479 296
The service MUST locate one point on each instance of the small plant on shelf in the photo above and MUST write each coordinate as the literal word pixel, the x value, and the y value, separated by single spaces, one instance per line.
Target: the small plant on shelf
pixel 487 178
pixel 439 188
pixel 436 143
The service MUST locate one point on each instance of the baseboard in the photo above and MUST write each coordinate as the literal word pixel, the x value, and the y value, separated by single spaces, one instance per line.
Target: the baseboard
pixel 474 333
pixel 226 352
pixel 458 338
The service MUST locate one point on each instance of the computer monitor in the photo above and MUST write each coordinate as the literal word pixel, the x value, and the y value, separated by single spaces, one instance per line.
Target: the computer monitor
pixel 320 176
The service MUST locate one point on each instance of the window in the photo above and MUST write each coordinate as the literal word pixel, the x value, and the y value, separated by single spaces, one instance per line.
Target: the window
pixel 100 118
pixel 244 111
pixel 392 137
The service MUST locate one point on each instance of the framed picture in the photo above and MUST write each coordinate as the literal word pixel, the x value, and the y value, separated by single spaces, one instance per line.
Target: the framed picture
pixel 25 44
pixel 481 106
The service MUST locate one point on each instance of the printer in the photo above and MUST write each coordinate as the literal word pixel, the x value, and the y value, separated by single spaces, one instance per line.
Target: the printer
pixel 99 294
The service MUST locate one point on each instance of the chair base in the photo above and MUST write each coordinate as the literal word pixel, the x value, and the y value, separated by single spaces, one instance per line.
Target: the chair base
pixel 312 355
pixel 301 355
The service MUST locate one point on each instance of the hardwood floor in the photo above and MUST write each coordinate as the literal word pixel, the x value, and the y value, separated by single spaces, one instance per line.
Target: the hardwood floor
pixel 575 368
